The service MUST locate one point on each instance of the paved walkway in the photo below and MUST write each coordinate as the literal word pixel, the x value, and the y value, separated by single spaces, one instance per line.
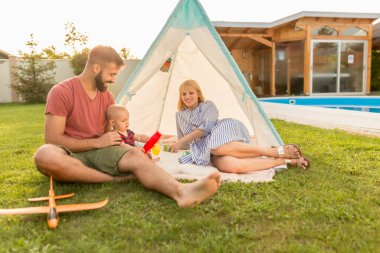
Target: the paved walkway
pixel 352 121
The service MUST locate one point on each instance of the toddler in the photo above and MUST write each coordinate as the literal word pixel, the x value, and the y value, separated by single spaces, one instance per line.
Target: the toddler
pixel 118 120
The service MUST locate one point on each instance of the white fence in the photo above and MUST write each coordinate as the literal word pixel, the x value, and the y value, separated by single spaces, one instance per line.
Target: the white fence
pixel 62 72
pixel 5 82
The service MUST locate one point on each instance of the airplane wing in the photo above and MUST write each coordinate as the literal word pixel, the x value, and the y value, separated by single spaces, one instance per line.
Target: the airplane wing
pixel 64 196
pixel 47 198
pixel 59 208
pixel 26 210
pixel 80 207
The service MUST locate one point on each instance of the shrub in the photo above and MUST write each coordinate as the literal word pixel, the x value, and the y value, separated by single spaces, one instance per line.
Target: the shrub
pixel 78 61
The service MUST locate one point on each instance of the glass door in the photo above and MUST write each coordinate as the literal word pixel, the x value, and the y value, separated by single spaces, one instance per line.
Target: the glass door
pixel 352 67
pixel 324 67
pixel 338 67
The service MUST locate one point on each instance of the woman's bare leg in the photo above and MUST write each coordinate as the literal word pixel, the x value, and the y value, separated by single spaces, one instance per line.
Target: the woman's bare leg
pixel 244 150
pixel 231 164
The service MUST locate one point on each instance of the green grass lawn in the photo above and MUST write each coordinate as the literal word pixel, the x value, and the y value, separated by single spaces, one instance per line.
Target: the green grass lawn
pixel 333 207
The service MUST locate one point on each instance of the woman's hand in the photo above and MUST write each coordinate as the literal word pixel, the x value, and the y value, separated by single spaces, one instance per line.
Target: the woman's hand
pixel 175 147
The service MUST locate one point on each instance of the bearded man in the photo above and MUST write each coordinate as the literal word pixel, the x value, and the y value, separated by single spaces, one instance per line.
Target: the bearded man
pixel 78 149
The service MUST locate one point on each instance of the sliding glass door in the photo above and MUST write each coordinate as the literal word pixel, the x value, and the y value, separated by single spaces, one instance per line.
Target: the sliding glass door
pixel 352 67
pixel 324 67
pixel 338 67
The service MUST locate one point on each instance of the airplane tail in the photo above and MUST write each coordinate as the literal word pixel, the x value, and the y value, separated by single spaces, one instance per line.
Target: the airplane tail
pixel 51 190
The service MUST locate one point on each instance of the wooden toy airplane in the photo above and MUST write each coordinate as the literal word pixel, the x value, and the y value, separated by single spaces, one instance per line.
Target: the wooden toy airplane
pixel 53 209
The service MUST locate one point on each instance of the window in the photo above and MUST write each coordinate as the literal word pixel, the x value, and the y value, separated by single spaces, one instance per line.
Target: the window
pixel 324 30
pixel 355 31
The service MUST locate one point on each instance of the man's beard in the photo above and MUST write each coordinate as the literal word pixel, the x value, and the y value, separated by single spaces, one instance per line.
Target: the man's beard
pixel 99 83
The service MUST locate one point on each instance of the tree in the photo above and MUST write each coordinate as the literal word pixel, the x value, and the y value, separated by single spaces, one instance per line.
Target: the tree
pixel 78 61
pixel 50 52
pixel 34 76
pixel 126 54
pixel 78 42
pixel 74 39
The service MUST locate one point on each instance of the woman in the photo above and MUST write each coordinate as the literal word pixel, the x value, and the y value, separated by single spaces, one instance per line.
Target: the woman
pixel 225 143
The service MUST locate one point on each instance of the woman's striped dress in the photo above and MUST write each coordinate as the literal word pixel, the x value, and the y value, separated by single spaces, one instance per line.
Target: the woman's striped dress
pixel 217 132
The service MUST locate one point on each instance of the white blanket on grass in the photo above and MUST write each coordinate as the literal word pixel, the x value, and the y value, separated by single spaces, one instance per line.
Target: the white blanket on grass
pixel 169 162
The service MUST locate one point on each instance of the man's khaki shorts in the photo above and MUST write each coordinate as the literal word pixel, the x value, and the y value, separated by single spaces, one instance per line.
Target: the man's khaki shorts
pixel 102 159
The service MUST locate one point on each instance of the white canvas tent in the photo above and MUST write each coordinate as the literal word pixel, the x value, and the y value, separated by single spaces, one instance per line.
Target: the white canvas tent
pixel 198 53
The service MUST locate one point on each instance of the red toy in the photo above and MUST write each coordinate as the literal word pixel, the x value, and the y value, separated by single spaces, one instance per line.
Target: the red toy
pixel 152 140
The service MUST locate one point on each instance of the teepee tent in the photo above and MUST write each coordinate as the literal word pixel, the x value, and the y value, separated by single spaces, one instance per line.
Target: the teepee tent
pixel 188 47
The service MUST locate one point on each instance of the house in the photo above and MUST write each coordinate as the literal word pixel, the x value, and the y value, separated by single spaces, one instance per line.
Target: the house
pixel 308 53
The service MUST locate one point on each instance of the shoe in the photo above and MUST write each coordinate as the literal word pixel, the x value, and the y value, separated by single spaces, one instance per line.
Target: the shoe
pixel 299 163
pixel 288 151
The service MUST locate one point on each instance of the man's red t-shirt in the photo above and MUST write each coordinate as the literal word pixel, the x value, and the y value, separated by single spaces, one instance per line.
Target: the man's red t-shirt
pixel 85 117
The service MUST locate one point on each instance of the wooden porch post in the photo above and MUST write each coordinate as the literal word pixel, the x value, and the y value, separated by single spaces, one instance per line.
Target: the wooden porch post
pixel 288 72
pixel 306 68
pixel 369 59
pixel 272 72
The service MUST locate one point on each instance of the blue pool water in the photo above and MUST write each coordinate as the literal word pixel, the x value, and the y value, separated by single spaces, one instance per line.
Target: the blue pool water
pixel 366 104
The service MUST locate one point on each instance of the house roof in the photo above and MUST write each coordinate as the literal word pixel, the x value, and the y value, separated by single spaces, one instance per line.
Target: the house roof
pixel 296 16
pixel 225 27
pixel 4 55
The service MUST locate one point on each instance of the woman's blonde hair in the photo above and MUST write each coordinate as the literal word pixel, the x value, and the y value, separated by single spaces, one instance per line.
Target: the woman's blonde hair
pixel 189 84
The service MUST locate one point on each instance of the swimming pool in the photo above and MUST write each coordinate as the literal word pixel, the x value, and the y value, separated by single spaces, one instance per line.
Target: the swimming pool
pixel 365 103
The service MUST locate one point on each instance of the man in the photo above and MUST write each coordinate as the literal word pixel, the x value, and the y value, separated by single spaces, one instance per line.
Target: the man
pixel 77 148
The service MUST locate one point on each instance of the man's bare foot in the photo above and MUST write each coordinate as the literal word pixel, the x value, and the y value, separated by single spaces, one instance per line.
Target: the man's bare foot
pixel 194 193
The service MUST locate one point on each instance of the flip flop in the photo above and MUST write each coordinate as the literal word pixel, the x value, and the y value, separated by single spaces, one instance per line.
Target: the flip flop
pixel 299 163
pixel 290 154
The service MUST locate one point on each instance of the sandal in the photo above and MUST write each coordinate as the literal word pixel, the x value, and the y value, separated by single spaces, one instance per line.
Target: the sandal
pixel 299 162
pixel 288 151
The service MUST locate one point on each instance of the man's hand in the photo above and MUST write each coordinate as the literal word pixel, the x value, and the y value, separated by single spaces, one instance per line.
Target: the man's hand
pixel 108 139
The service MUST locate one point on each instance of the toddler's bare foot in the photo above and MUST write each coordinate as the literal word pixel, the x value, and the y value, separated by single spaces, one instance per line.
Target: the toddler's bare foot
pixel 156 159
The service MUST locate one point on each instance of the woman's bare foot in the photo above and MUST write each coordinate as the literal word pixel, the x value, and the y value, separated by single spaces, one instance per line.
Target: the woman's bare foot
pixel 194 193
